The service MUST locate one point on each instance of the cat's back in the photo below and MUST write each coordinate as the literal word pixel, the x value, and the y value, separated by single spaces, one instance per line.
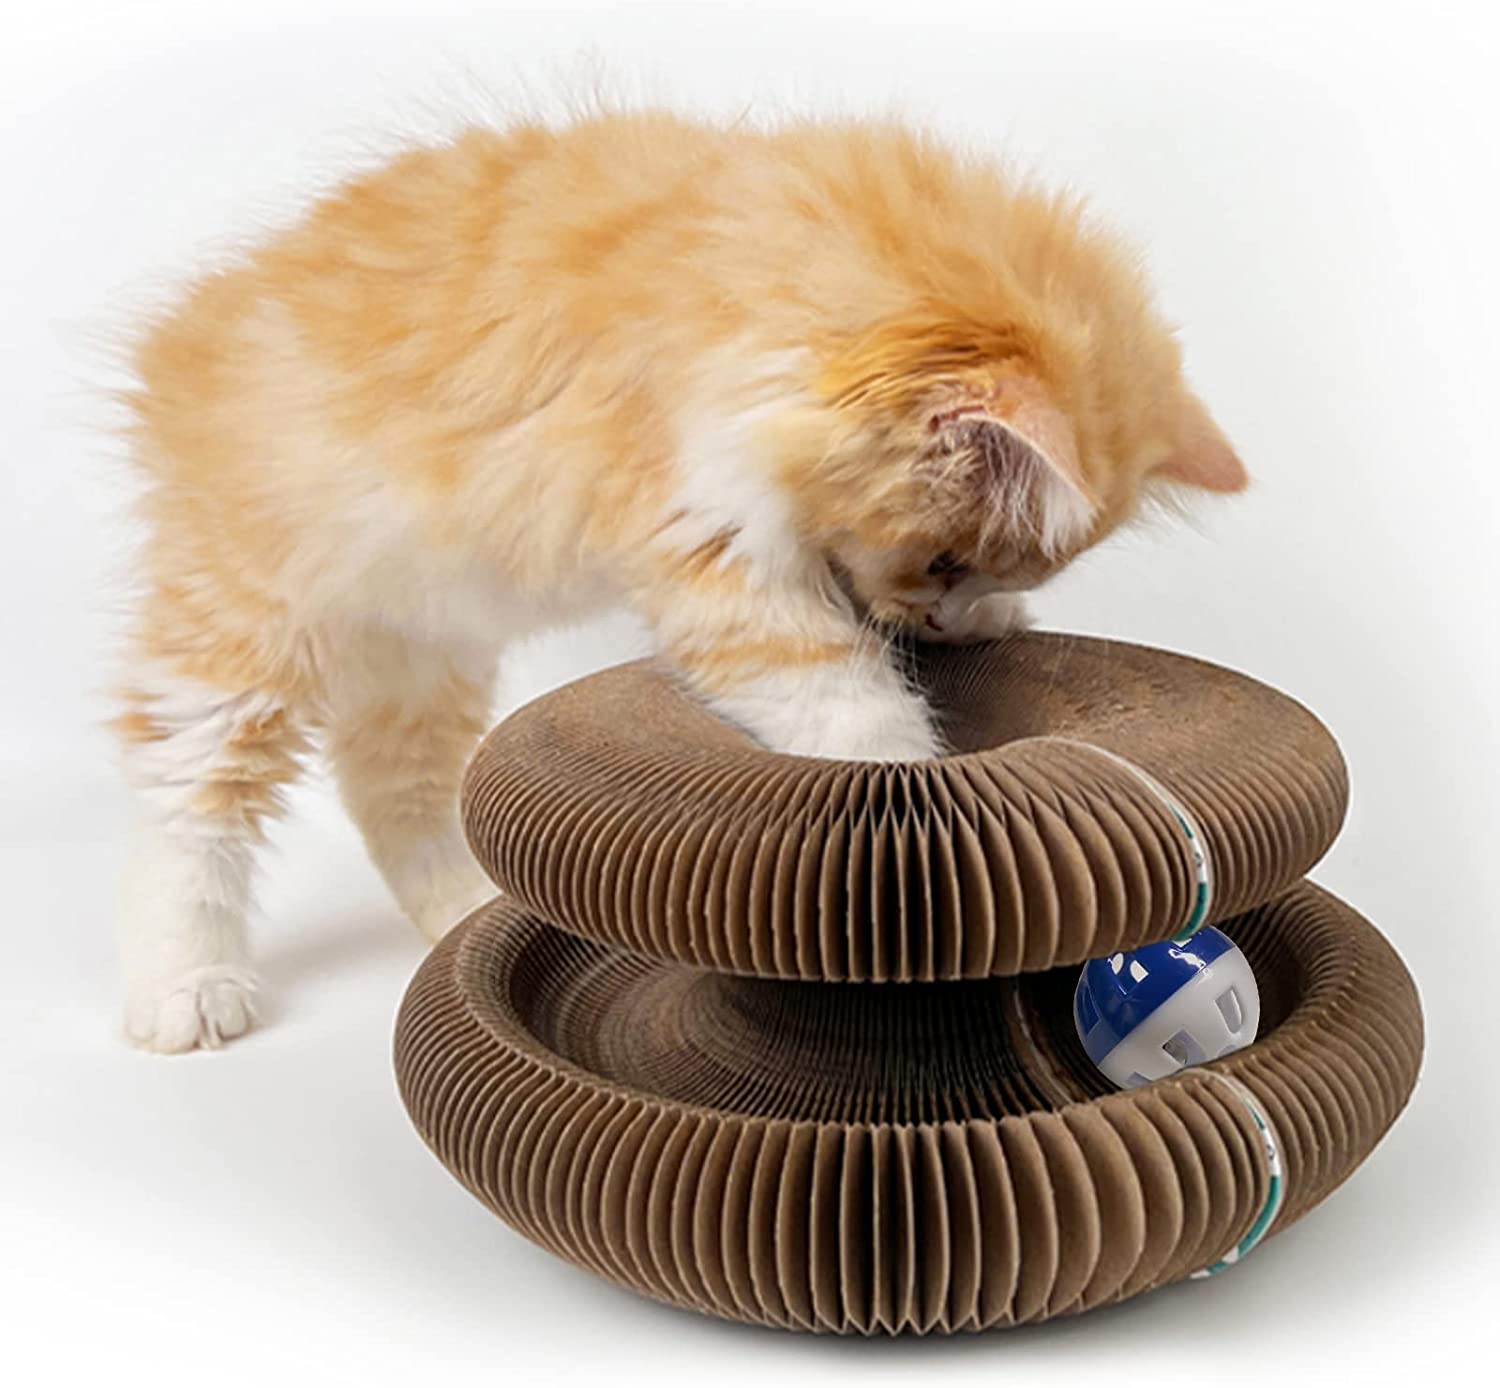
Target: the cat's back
pixel 486 239
pixel 460 286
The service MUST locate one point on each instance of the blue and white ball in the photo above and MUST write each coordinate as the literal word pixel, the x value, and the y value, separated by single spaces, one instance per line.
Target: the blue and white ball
pixel 1144 1015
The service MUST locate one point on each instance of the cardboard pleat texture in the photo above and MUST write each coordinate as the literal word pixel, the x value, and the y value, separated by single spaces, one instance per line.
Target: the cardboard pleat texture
pixel 619 808
pixel 867 1158
pixel 790 1041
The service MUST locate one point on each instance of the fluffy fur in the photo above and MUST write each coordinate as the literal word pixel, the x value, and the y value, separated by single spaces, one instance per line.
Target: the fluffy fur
pixel 780 391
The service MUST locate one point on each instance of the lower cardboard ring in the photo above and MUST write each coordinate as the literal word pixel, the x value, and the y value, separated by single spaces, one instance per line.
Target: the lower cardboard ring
pixel 884 1157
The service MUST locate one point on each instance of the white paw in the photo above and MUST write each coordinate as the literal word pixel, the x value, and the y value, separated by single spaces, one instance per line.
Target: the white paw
pixel 434 878
pixel 200 1008
pixel 875 729
pixel 985 619
pixel 436 912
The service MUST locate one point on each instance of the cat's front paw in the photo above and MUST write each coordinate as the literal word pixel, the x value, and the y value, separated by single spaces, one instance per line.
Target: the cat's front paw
pixel 199 1009
pixel 868 730
pixel 986 619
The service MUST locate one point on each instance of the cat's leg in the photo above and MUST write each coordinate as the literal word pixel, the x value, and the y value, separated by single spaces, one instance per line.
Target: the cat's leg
pixel 792 664
pixel 207 762
pixel 402 721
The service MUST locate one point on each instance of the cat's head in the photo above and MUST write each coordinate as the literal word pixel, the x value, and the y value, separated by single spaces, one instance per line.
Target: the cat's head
pixel 961 456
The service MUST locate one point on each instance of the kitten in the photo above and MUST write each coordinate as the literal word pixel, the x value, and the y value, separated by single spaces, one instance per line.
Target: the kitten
pixel 778 391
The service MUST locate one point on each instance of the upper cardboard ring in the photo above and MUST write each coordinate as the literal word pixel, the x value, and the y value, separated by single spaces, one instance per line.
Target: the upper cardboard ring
pixel 624 811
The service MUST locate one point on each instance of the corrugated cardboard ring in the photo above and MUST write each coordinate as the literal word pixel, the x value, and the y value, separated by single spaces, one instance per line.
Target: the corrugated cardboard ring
pixel 868 1158
pixel 620 809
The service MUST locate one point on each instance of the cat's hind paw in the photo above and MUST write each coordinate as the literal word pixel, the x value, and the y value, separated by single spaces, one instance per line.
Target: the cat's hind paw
pixel 438 883
pixel 199 1009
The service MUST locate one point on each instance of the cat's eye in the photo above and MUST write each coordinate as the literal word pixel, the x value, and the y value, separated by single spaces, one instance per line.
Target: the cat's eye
pixel 947 565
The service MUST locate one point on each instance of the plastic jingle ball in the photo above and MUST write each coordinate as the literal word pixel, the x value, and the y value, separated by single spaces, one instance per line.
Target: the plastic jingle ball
pixel 1149 1012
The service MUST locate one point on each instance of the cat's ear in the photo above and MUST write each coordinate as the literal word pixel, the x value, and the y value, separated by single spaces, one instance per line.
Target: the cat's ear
pixel 1031 479
pixel 1203 457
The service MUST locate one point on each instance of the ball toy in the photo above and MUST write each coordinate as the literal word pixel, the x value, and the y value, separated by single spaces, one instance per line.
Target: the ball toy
pixel 1149 1012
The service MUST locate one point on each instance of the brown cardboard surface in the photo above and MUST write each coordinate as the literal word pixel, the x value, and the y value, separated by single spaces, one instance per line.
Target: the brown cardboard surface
pixel 878 1157
pixel 620 809
pixel 790 1041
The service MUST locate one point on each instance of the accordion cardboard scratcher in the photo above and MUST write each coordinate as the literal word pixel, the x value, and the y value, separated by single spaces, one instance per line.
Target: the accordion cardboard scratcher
pixel 791 1041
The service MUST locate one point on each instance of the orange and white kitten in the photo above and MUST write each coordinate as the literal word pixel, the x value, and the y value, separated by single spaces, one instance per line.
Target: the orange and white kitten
pixel 775 390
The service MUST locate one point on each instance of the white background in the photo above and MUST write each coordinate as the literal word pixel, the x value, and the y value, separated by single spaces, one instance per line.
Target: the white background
pixel 1316 184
